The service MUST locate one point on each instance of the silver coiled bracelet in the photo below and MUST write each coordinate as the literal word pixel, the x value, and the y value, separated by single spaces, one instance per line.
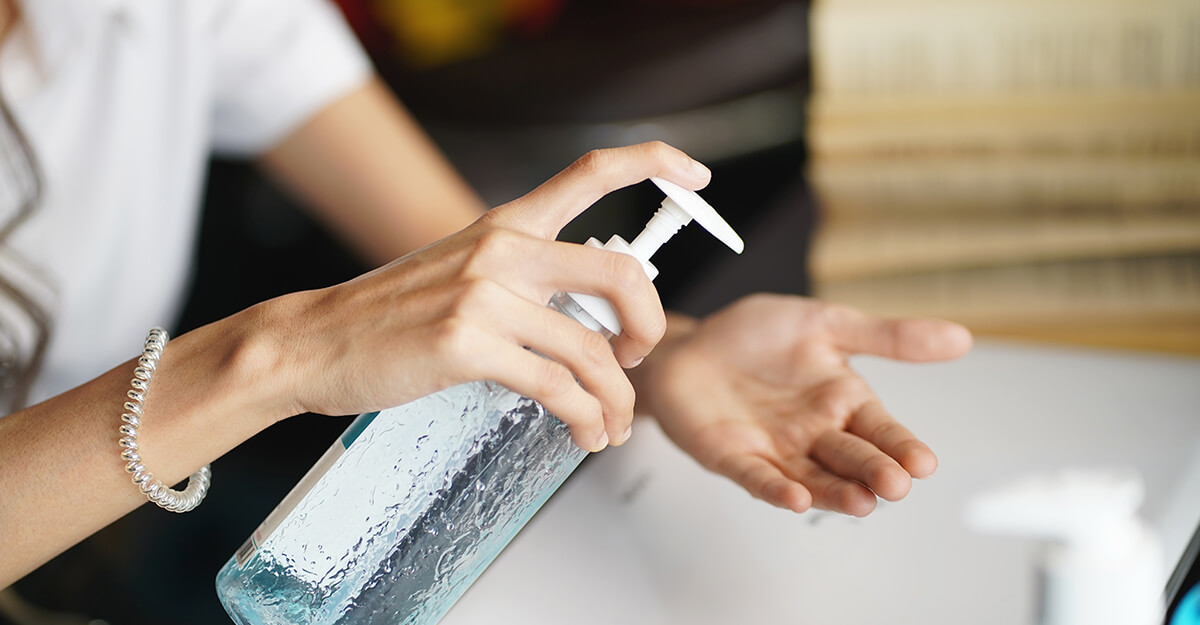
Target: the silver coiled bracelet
pixel 153 489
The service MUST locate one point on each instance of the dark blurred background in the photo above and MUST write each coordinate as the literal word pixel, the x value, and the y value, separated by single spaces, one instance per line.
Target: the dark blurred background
pixel 512 92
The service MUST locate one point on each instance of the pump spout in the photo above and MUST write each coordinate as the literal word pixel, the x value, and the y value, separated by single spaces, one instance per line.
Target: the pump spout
pixel 679 209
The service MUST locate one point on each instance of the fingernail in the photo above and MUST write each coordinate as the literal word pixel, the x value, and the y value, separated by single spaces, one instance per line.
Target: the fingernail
pixel 636 362
pixel 601 442
pixel 699 169
pixel 627 434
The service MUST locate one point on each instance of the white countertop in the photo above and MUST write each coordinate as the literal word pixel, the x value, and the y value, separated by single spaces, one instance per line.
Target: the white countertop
pixel 642 535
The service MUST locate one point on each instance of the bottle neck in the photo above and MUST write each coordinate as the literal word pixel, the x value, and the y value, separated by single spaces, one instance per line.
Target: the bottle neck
pixel 565 303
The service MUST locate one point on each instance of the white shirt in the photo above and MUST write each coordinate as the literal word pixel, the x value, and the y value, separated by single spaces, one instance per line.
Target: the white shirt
pixel 122 101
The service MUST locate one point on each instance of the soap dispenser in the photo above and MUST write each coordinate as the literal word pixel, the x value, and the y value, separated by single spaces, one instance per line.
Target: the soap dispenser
pixel 1099 563
pixel 409 506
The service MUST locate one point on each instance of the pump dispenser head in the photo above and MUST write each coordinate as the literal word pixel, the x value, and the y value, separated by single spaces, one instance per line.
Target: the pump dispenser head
pixel 702 212
pixel 680 207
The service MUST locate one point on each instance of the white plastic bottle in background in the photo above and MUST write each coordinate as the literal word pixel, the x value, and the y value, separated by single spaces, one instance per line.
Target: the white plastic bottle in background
pixel 1100 564
pixel 410 505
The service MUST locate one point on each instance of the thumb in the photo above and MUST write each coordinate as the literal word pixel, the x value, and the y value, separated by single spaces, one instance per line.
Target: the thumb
pixel 914 340
pixel 544 211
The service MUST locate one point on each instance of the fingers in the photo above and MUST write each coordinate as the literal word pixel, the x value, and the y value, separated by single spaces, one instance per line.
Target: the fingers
pixel 536 269
pixel 766 482
pixel 915 340
pixel 620 280
pixel 801 483
pixel 853 458
pixel 586 354
pixel 546 209
pixel 499 324
pixel 829 491
pixel 872 423
pixel 531 375
pixel 875 451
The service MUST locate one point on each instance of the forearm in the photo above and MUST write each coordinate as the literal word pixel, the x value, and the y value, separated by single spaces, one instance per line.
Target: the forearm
pixel 61 475
pixel 372 175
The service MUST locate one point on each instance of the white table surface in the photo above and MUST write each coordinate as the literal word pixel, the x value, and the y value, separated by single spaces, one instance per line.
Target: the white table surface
pixel 643 535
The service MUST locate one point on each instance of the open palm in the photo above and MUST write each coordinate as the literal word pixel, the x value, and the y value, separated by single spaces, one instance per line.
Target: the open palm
pixel 762 393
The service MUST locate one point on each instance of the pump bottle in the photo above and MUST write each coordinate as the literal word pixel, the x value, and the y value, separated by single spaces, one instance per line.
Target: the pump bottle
pixel 409 506
pixel 1099 563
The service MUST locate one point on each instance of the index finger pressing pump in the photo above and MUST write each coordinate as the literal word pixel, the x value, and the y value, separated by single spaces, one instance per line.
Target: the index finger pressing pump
pixel 411 504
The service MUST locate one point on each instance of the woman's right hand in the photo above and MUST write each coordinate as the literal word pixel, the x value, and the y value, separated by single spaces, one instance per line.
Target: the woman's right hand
pixel 465 308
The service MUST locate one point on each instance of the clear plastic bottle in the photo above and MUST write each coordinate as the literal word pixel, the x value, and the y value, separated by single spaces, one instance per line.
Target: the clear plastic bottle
pixel 412 503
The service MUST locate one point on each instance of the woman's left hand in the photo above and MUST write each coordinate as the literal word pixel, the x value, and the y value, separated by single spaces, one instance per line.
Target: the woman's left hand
pixel 762 393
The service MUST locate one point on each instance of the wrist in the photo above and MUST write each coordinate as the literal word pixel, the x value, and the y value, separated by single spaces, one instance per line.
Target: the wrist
pixel 679 328
pixel 248 359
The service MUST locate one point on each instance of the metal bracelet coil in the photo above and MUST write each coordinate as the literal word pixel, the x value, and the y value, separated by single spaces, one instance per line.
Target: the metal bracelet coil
pixel 154 490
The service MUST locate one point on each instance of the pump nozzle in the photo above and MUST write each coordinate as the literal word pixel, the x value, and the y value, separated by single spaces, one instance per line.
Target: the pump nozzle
pixel 679 208
pixel 704 214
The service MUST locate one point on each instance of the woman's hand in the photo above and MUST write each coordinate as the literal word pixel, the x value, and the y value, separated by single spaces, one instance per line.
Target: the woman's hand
pixel 465 308
pixel 762 393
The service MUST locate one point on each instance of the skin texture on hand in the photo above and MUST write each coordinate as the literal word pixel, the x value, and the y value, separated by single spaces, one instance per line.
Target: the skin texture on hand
pixel 762 393
pixel 467 307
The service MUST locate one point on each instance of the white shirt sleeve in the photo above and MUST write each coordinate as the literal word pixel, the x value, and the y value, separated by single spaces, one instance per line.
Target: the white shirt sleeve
pixel 278 63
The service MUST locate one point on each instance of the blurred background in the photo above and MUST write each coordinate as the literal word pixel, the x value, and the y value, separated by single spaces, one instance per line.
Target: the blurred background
pixel 1032 173
pixel 1029 169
